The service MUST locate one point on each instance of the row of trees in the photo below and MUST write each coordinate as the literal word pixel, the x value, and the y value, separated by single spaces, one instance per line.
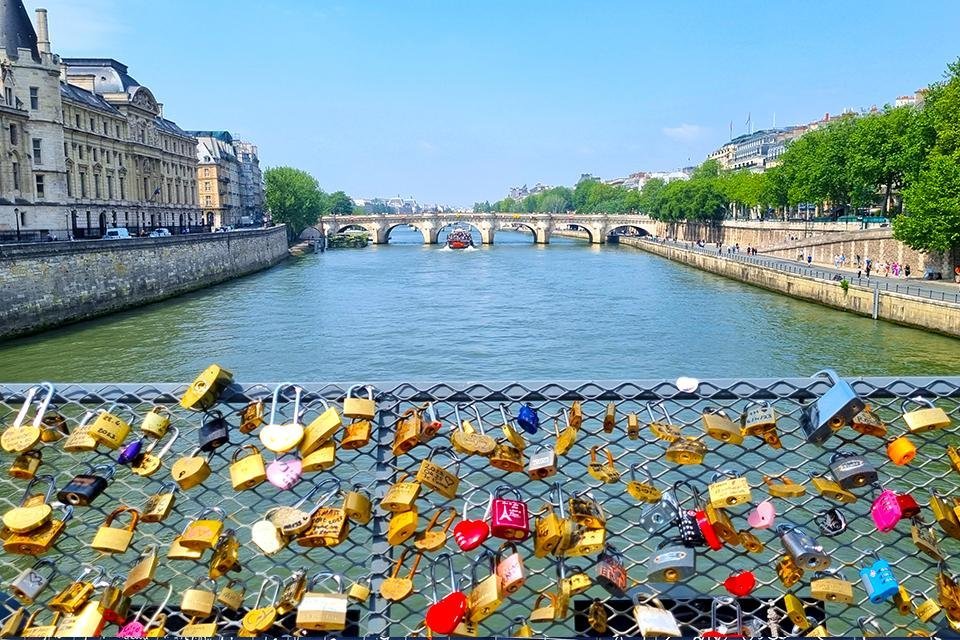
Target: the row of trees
pixel 294 198
pixel 905 160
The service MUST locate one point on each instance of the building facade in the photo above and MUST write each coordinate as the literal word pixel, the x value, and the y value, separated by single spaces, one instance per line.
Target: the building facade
pixel 251 182
pixel 84 146
pixel 218 178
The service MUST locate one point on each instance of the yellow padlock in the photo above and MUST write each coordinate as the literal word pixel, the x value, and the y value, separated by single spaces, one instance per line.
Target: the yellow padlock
pixel 156 421
pixel 109 429
pixel 360 408
pixel 402 526
pixel 248 471
pixel 112 539
pixel 18 437
pixel 204 392
pixel 203 533
pixel 279 436
pixel 321 429
pixel 928 418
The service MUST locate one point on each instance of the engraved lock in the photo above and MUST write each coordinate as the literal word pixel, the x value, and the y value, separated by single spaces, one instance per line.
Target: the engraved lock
pixel 543 462
pixel 566 438
pixel 852 470
pixel 109 429
pixel 527 418
pixel 141 575
pixel 231 594
pixel 548 531
pixel 804 549
pixel 686 450
pixel 207 629
pixel 509 568
pixel 514 437
pixel 321 429
pixel 466 439
pixel 509 519
pixel 26 464
pixel 508 458
pixel 83 489
pixel 401 495
pixel 158 506
pixel 723 525
pixel 407 431
pixel 926 540
pixel 53 426
pixel 34 511
pixel 831 411
pixel 432 425
pixel 928 418
pixel 191 470
pixel 605 472
pixel 662 429
pixel 226 555
pixel 205 391
pixel 328 525
pixel 292 591
pixel 28 584
pixel 901 451
pixel 78 592
pixel 831 522
pixel 357 407
pixel 611 572
pixel 544 613
pixel 885 511
pixel 202 533
pixel 198 601
pixel 645 492
pixel 730 492
pixel 251 416
pixel 927 609
pixel 259 619
pixel 109 539
pixel 878 580
pixel 402 526
pixel 783 487
pixel 395 587
pixel 719 426
pixel 39 540
pixel 586 510
pixel 437 477
pixel 357 505
pixel 654 620
pixel 658 516
pixel 431 540
pixel 32 630
pixel 831 490
pixel 586 542
pixel 18 438
pixel 359 590
pixel 869 423
pixel 610 417
pixel 597 616
pixel 575 584
pixel 285 471
pixel 149 463
pixel 485 595
pixel 944 515
pixel 323 610
pixel 760 419
pixel 445 615
pixel 156 421
pixel 356 435
pixel 113 605
pixel 79 439
pixel 671 563
pixel 576 414
pixel 633 426
pixel 788 572
pixel 830 586
pixel 247 471
pixel 279 436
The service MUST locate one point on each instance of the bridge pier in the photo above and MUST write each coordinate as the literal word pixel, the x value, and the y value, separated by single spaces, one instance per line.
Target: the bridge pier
pixel 486 234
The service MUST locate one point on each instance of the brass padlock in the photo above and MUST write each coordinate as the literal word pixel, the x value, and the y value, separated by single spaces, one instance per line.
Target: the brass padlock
pixel 76 594
pixel 359 590
pixel 202 533
pixel 750 542
pixel 732 491
pixel 587 542
pixel 437 477
pixel 248 471
pixel 587 510
pixel 226 555
pixel 783 487
pixel 522 629
pixel 328 528
pixel 158 506
pixel 231 594
pixel 576 583
pixel 205 391
pixel 198 601
pixel 401 496
pixel 662 429
pixel 723 525
pixel 719 426
pixel 25 465
pixel 485 595
pixel 633 426
pixel 954 457
pixel 788 571
pixel 642 491
pixel 926 540
pixel 760 419
pixel 468 440
pixel 323 610
pixel 356 435
pixel 566 438
pixel 407 431
pixel 156 421
pixel 251 416
pixel 143 571
pixel 869 423
pixel 113 605
pixel 395 587
pixel 13 624
pixel 196 629
pixel 34 510
pixel 191 470
pixel 33 630
pixel 259 619
pixel 112 539
pixel 903 601
pixel 830 586
pixel 80 439
pixel 149 463
pixel 53 426
pixel 39 540
pixel 795 611
pixel 320 459
pixel 402 526
pixel 321 429
pixel 357 407
pixel 507 457
pixel 928 418
pixel 18 437
pixel 605 472
pixel 356 504
pixel 927 609
pixel 544 612
pixel 831 490
pixel 610 417
pixel 944 514
pixel 514 437
pixel 177 551
pixel 109 429
pixel 291 592
pixel 686 450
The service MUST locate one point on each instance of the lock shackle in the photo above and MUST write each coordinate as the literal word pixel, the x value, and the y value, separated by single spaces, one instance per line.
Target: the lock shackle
pixel 398 563
pixel 841 454
pixel 663 409
pixel 263 586
pixel 206 510
pixel 442 557
pixel 835 572
pixel 829 374
pixel 867 555
pixel 504 489
pixel 246 447
pixel 447 451
pixel 724 473
pixel 716 411
pixel 46 562
pixel 795 632
pixel 467 503
pixel 865 622
pixel 159 408
pixel 503 414
pixel 275 400
pixel 695 494
pixel 559 490
pixel 725 601
pixel 28 398
pixel 491 561
pixel 668 541
pixel 111 470
pixel 368 387
pixel 172 433
pixel 67 512
pixel 170 486
pixel 163 605
pixel 51 487
pixel 476 411
pixel 323 576
pixel 86 569
pixel 640 465
pixel 119 511
pixel 506 545
pixel 920 400
pixel 196 453
pixel 125 408
pixel 327 482
pixel 642 598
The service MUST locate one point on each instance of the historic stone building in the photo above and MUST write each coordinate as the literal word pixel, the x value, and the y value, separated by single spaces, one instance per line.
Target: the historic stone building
pixel 229 181
pixel 84 146
pixel 251 181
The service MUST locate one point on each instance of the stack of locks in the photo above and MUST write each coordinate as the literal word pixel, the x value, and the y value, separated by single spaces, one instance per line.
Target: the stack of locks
pixel 544 524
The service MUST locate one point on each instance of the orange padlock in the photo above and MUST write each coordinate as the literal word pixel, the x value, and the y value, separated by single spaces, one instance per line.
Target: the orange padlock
pixel 901 451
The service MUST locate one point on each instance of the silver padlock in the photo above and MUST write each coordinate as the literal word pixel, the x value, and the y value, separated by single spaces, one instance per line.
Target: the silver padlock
pixel 660 515
pixel 671 563
pixel 803 548
pixel 30 582
pixel 851 470
pixel 831 411
pixel 543 462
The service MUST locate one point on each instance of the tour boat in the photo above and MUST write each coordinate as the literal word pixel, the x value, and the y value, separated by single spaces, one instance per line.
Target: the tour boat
pixel 459 239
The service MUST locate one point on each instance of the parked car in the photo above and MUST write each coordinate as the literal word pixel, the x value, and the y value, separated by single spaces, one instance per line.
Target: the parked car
pixel 160 233
pixel 116 234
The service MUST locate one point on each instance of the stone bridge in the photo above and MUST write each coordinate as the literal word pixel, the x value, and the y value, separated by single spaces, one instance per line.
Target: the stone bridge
pixel 542 225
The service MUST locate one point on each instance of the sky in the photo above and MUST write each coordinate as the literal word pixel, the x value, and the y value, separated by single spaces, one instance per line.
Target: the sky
pixel 456 101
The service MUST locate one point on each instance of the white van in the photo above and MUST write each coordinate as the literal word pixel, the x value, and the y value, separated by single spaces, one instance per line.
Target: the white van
pixel 117 234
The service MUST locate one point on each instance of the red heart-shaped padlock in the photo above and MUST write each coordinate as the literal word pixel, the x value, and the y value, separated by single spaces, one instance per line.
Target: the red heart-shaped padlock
pixel 470 534
pixel 444 616
pixel 740 583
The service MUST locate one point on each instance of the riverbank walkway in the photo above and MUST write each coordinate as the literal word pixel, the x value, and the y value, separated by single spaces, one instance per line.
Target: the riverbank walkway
pixel 929 289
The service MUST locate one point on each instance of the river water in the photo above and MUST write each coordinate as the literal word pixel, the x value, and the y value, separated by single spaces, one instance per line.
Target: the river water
pixel 511 311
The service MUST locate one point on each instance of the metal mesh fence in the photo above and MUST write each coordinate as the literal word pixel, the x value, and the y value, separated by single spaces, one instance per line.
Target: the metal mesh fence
pixel 366 552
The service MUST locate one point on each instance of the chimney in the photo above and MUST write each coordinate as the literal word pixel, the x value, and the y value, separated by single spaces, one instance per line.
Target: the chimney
pixel 43 33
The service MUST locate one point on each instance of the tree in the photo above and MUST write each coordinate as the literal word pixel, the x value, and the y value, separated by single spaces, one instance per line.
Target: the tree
pixel 293 197
pixel 339 204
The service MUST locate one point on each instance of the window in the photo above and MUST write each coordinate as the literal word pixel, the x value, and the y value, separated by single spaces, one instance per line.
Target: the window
pixel 34 98
pixel 146 189
pixel 83 185
pixel 80 151
pixel 96 155
pixel 8 96
pixel 76 118
pixel 105 127
pixel 39 187
pixel 110 187
pixel 37 151
pixel 16 176
pixel 96 186
pixel 93 125
pixel 123 189
pixel 206 173
pixel 209 201
pixel 14 136
pixel 70 184
pixel 66 150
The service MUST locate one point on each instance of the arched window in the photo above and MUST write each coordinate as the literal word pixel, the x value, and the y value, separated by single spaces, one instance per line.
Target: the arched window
pixel 23 218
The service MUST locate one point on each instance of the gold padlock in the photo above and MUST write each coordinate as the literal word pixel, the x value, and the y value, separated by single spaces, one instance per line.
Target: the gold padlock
pixel 328 528
pixel 750 542
pixel 226 555
pixel 944 514
pixel 34 510
pixel 430 540
pixel 18 437
pixel 191 470
pixel 544 612
pixel 53 427
pixel 402 526
pixel 575 584
pixel 360 408
pixel 395 587
pixel 548 532
pixel 485 596
pixel 158 506
pixel 903 601
pixel 566 438
pixel 438 477
pixel 279 436
pixel 507 457
pixel 642 491
pixel 926 610
pixel 204 392
pixel 732 491
pixel 112 539
pixel 321 429
pixel 401 496
pixel 686 450
pixel 156 421
pixel 407 431
pixel 143 571
pixel 356 504
pixel 33 630
pixel 76 594
pixel 38 541
pixel 796 611
pixel 514 437
pixel 586 510
pixel 783 487
pixel 469 440
pixel 720 427
pixel 605 472
pixel 723 525
pixel 203 533
pixel 149 462
pixel 248 471
pixel 13 623
pixel 926 540
pixel 523 628
pixel 251 416
pixel 928 418
pixel 610 417
pixel 323 610
pixel 356 435
pixel 760 419
pixel 177 551
pixel 633 426
pixel 198 601
pixel 80 439
pixel 788 571
pixel 231 594
pixel 320 459
pixel 359 590
pixel 831 490
pixel 830 586
pixel 587 542
pixel 291 592
pixel 25 465
pixel 869 423
pixel 109 429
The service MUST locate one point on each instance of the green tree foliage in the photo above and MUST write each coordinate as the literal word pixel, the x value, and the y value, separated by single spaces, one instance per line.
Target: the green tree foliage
pixel 339 204
pixel 294 198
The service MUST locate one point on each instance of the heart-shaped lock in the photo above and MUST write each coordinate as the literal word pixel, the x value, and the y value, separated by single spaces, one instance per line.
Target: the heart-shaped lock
pixel 446 614
pixel 470 534
pixel 278 436
pixel 740 583
pixel 132 630
pixel 284 473
pixel 762 516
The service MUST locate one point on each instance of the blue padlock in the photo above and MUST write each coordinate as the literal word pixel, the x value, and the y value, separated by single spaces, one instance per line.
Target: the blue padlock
pixel 528 419
pixel 878 580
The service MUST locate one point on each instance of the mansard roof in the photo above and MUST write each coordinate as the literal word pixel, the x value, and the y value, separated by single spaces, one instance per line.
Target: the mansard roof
pixel 171 127
pixel 223 136
pixel 16 30
pixel 109 75
pixel 85 98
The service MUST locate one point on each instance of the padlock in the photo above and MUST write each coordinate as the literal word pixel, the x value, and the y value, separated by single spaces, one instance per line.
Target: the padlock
pixel 783 487
pixel 87 623
pixel 149 463
pixel 445 615
pixel 259 619
pixel 197 629
pixel 231 594
pixel 869 423
pixel 436 477
pixel 760 419
pixel 177 551
pixel 954 457
pixel 205 391
pixel 226 555
pixel 79 439
pixel 644 492
pixel 356 435
pixel 926 540
pixel 191 470
pixel 265 535
pixel 804 549
pixel 53 426
pixel 248 471
pixel 278 435
pixel 722 525
pixel 586 542
pixel 467 440
pixel 729 629
pixel 832 410
pixel 544 613
pixel 198 601
pixel 109 429
pixel 695 527
pixel 113 539
pixel 485 596
pixel 686 450
pixel 719 426
pixel 948 592
pixel 851 470
pixel 566 438
pixel 586 510
pixel 908 506
pixel 633 426
pixel 141 575
pixel 903 601
pixel 78 592
pixel 401 496
pixel 323 610
pixel 131 452
pixel 359 590
pixel 159 505
pixel 548 531
pixel 507 457
pixel 39 540
pixel 156 421
pixel 357 505
pixel 795 611
pixel 878 580
pixel 13 623
pixel 18 438
pixel 597 616
pixel 202 533
pixel 662 429
pixel 84 488
pixel 402 526
pixel 329 526
pixel 214 431
pixel 901 451
pixel 870 628
pixel 944 514
pixel 251 416
pixel 509 568
pixel 431 426
pixel 528 419
pixel 831 522
pixel 762 516
pixel 25 465
pixel 574 584
pixel 285 471
pixel 514 437
pixel 654 620
pixel 658 516
pixel 509 519
pixel 430 540
pixel 885 511
pixel 728 492
pixel 321 429
pixel 470 534
pixel 830 586
pixel 788 572
pixel 740 583
pixel 610 417
pixel 407 430
pixel 611 572
pixel 33 630
pixel 34 510
pixel 543 462
pixel 320 459
pixel 927 609
pixel 831 490
pixel 750 542
pixel 671 563
pixel 28 584
pixel 605 472
pixel 113 605
pixel 360 408
pixel 395 587
pixel 928 418
pixel 292 591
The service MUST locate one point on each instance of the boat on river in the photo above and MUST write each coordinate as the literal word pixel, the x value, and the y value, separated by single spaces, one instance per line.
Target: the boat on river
pixel 459 239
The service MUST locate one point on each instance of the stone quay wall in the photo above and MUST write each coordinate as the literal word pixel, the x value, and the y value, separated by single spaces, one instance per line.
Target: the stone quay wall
pixel 46 285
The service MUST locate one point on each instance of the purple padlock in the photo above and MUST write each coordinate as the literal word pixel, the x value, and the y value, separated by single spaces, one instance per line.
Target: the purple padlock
pixel 886 511
pixel 131 452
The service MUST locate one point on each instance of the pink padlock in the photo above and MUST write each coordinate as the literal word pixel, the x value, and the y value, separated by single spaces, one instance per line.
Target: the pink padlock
pixel 283 474
pixel 762 516
pixel 137 629
pixel 886 511
pixel 509 519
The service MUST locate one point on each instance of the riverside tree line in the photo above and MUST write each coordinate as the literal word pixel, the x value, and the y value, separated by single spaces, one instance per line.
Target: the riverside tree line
pixel 904 160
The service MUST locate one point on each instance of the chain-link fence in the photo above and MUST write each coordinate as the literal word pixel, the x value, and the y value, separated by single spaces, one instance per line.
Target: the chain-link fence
pixel 367 554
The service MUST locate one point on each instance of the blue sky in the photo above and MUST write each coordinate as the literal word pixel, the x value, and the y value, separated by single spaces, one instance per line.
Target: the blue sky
pixel 456 101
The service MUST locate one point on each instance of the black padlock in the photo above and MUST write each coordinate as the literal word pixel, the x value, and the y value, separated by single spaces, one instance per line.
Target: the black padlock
pixel 852 470
pixel 831 522
pixel 84 488
pixel 214 431
pixel 690 534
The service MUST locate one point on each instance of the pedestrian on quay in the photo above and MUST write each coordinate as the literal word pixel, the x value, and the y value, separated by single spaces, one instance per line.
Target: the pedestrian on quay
pixel 858 259
pixel 906 271
pixel 809 259
pixel 956 274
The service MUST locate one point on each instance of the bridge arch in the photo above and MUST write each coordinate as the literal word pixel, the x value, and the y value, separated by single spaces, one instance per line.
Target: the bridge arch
pixel 581 227
pixel 637 229
pixel 486 232
pixel 428 236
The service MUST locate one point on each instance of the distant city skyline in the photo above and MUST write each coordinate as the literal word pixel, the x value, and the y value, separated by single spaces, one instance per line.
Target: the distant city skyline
pixel 457 103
